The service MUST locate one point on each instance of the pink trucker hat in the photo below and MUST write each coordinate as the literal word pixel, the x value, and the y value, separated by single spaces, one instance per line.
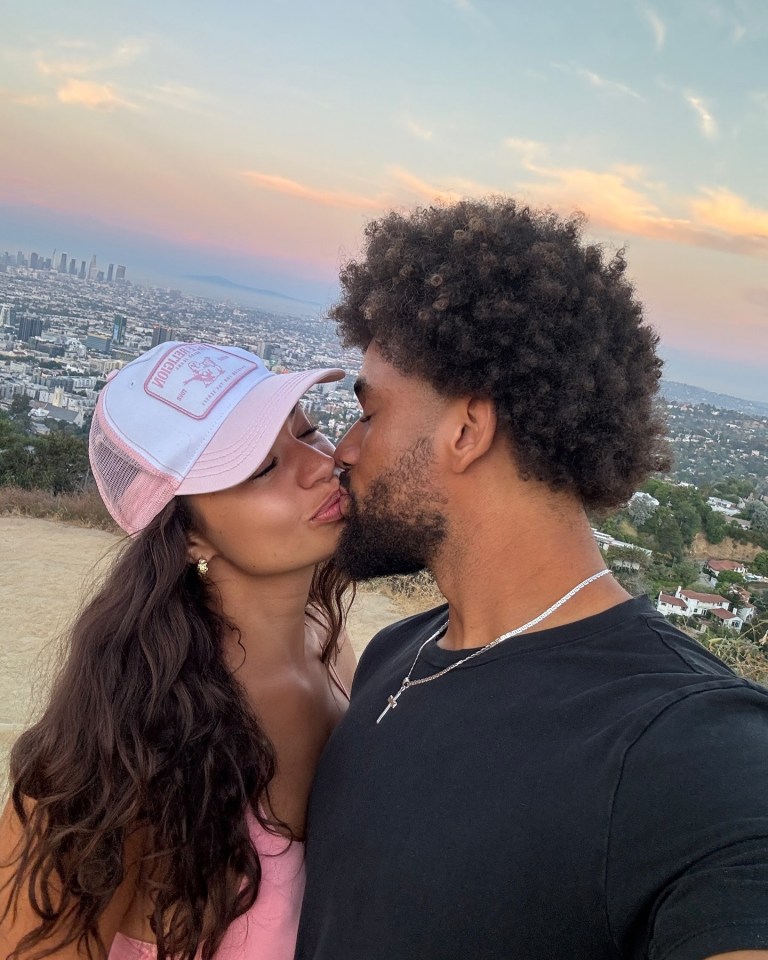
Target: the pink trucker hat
pixel 187 418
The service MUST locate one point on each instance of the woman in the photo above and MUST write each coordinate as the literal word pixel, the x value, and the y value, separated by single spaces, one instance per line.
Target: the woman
pixel 158 805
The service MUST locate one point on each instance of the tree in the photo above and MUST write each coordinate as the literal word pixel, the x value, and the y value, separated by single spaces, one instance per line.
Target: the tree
pixel 760 563
pixel 19 410
pixel 729 577
pixel 57 462
pixel 666 531
pixel 757 511
pixel 714 525
pixel 726 582
pixel 641 508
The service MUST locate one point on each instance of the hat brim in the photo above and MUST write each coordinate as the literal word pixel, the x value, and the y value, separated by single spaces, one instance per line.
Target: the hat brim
pixel 245 438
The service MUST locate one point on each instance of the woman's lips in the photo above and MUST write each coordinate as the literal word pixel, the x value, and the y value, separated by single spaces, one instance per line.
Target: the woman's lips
pixel 330 509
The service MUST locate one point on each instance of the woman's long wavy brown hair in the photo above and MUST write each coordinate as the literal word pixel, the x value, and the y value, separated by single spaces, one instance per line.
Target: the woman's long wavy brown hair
pixel 147 733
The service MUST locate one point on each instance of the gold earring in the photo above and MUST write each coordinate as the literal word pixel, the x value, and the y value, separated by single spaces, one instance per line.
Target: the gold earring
pixel 202 567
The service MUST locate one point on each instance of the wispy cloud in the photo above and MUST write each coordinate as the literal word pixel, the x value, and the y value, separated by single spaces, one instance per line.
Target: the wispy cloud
pixel 707 123
pixel 94 96
pixel 760 97
pixel 417 130
pixel 469 10
pixel 657 25
pixel 327 198
pixel 623 199
pixel 179 96
pixel 528 150
pixel 447 189
pixel 35 100
pixel 721 209
pixel 595 80
pixel 125 53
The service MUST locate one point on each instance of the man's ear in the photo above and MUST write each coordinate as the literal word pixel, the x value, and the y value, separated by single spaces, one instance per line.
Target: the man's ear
pixel 473 431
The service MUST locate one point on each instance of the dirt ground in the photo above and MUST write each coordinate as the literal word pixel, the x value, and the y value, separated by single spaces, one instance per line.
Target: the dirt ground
pixel 46 569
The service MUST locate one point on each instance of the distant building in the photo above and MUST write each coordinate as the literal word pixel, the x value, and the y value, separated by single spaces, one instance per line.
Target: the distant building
pixel 689 603
pixel 727 618
pixel 30 327
pixel 99 343
pixel 722 506
pixel 605 541
pixel 118 329
pixel 161 334
pixel 110 271
pixel 93 270
pixel 47 411
pixel 667 604
pixel 81 274
pixel 698 603
pixel 73 267
pixel 120 274
pixel 63 263
pixel 715 567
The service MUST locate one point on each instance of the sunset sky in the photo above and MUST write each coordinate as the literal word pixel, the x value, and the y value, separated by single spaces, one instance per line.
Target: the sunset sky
pixel 254 140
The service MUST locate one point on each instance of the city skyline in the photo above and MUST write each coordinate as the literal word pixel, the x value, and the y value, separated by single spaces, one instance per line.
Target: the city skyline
pixel 255 146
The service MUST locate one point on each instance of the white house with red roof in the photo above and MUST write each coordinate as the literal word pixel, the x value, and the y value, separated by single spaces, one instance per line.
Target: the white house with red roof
pixel 715 567
pixel 727 618
pixel 700 603
pixel 668 604
pixel 689 603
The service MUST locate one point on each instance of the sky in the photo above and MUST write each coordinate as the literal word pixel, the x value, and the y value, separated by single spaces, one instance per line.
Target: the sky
pixel 254 140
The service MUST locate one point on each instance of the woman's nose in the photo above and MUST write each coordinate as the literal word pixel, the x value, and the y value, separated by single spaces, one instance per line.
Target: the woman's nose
pixel 347 448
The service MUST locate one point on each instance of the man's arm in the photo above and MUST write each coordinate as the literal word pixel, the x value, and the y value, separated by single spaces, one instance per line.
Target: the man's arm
pixel 688 853
pixel 742 955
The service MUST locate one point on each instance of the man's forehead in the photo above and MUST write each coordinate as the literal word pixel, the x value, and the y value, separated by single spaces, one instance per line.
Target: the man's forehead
pixel 379 377
pixel 377 373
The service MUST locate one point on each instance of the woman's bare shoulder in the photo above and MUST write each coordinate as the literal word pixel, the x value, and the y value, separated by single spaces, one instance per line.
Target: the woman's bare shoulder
pixel 17 914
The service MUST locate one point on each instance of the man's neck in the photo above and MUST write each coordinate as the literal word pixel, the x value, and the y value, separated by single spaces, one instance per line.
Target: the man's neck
pixel 502 567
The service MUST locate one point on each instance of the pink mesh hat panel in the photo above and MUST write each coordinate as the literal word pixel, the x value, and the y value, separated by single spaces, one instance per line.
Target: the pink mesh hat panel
pixel 187 418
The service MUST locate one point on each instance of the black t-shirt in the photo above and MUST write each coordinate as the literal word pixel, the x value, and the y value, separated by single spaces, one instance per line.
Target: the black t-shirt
pixel 598 790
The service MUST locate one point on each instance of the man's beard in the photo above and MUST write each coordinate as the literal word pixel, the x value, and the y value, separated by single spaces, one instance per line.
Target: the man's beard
pixel 396 528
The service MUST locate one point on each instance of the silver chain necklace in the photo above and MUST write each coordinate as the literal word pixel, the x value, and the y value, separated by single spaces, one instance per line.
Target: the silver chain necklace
pixel 407 682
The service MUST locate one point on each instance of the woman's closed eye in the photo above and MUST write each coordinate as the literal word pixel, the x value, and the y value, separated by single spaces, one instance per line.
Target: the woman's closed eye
pixel 262 471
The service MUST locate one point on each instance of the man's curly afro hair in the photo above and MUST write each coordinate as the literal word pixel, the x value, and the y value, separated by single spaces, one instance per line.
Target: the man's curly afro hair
pixel 491 298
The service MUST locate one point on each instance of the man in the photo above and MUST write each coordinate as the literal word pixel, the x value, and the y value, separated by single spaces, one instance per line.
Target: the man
pixel 542 768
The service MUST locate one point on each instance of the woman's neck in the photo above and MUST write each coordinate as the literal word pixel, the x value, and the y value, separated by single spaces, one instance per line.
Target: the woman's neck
pixel 268 615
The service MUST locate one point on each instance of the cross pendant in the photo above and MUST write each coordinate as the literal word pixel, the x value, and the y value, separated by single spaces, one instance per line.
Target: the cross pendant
pixel 392 701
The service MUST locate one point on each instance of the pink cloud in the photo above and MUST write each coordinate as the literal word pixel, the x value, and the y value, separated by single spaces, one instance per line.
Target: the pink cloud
pixel 94 96
pixel 327 198
pixel 722 210
pixel 451 189
pixel 624 200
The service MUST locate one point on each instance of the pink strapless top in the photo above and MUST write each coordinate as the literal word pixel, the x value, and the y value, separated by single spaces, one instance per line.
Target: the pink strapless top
pixel 268 930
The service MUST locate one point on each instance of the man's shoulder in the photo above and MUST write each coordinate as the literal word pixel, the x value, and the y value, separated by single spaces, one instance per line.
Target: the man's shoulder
pixel 399 636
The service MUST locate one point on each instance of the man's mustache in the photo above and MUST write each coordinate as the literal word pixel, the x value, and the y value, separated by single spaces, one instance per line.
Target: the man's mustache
pixel 344 480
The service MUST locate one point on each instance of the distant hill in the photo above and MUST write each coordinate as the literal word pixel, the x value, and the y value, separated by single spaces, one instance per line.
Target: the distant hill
pixel 223 282
pixel 686 393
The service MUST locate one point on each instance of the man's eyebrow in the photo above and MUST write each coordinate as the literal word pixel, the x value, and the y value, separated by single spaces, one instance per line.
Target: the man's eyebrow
pixel 361 388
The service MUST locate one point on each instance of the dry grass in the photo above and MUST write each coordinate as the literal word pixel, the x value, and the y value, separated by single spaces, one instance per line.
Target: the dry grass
pixel 744 657
pixel 411 594
pixel 80 509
